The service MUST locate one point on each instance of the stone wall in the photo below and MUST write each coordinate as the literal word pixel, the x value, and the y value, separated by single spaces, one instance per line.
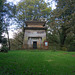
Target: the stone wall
pixel 34 35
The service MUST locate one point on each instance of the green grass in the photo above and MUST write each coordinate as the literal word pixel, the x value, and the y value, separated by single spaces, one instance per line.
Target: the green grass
pixel 37 63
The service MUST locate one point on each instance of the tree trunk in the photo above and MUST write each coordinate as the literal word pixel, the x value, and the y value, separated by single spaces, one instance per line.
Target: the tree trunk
pixel 62 37
pixel 8 39
pixel 23 35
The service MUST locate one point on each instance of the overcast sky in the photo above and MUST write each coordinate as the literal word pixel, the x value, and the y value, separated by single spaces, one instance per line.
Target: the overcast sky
pixel 15 2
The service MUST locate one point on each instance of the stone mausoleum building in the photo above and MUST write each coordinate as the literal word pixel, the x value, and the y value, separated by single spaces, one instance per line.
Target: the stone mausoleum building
pixel 35 35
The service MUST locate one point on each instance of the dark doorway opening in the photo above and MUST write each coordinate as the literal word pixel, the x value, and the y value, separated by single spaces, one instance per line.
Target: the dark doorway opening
pixel 34 44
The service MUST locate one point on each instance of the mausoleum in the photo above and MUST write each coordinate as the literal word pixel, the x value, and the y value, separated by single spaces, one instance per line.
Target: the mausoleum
pixel 35 35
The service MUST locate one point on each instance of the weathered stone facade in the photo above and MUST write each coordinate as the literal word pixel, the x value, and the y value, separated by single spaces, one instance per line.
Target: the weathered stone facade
pixel 35 35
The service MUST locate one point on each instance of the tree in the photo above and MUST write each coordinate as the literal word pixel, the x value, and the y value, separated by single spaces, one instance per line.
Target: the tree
pixel 16 43
pixel 1 18
pixel 63 20
pixel 31 9
pixel 9 15
pixel 28 10
pixel 6 13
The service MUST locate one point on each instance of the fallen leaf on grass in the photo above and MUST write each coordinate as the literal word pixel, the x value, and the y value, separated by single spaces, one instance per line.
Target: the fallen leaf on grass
pixel 65 53
pixel 73 55
pixel 73 71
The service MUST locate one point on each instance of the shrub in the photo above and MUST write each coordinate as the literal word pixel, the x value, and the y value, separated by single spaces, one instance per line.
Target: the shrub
pixel 4 49
pixel 64 48
pixel 72 46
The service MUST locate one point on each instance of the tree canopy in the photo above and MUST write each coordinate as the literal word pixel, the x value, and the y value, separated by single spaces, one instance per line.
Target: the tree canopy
pixel 6 13
pixel 62 22
pixel 28 9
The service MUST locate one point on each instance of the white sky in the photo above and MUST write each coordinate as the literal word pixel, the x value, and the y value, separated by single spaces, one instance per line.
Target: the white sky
pixel 11 33
pixel 16 1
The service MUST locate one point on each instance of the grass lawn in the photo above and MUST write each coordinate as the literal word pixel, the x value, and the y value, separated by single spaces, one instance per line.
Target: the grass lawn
pixel 21 62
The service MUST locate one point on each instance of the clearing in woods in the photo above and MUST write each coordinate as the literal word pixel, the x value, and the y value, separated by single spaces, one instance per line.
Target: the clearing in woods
pixel 21 62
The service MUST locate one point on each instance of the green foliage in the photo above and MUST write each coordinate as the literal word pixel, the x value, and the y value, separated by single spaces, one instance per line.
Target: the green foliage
pixel 6 13
pixel 62 21
pixel 1 18
pixel 53 47
pixel 4 41
pixel 29 10
pixel 72 46
pixel 4 49
pixel 17 42
pixel 53 38
pixel 64 48
pixel 4 45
